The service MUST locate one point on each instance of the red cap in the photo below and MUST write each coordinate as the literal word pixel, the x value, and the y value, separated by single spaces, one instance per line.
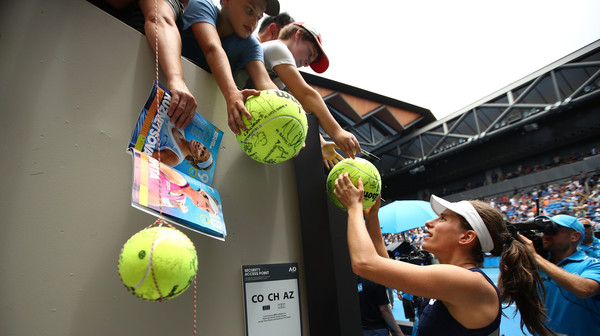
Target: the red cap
pixel 322 63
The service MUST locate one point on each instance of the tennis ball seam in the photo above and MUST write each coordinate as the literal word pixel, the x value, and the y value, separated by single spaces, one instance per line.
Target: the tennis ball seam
pixel 149 267
pixel 277 129
pixel 178 288
pixel 370 176
pixel 251 134
pixel 366 173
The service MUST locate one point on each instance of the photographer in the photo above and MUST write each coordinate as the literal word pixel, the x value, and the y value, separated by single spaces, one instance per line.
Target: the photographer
pixel 571 279
pixel 463 300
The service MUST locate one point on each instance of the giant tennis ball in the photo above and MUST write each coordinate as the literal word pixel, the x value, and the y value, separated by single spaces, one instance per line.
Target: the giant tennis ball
pixel 356 168
pixel 158 263
pixel 277 129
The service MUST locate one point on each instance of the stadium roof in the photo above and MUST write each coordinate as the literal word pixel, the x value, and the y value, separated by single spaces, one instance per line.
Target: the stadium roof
pixel 408 139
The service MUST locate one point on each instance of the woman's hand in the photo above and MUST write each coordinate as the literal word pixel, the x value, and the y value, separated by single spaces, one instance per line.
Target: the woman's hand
pixel 349 195
pixel 373 211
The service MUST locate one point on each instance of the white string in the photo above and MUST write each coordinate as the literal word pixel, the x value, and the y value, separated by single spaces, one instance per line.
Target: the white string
pixel 157 96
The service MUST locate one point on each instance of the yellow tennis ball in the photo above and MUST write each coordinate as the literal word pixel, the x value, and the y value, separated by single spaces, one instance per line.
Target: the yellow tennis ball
pixel 277 129
pixel 356 168
pixel 158 263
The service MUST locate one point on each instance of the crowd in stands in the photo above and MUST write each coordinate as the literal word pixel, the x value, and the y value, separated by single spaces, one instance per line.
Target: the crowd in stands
pixel 414 237
pixel 578 196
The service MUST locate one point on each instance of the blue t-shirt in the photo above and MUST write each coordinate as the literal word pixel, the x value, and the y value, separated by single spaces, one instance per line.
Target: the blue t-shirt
pixel 567 313
pixel 436 319
pixel 239 51
pixel 593 250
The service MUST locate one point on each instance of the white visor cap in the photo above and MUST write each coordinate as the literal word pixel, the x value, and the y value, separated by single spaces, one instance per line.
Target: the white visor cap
pixel 468 212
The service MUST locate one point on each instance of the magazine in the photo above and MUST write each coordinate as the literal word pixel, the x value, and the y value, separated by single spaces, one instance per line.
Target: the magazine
pixel 178 188
pixel 192 151
pixel 181 199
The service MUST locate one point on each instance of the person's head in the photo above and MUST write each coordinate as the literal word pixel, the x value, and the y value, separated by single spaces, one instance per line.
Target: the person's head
pixel 306 44
pixel 479 227
pixel 474 225
pixel 271 26
pixel 588 236
pixel 199 199
pixel 569 235
pixel 243 15
pixel 200 157
pixel 205 201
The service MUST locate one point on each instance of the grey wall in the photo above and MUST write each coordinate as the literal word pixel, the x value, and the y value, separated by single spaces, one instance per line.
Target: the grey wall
pixel 73 81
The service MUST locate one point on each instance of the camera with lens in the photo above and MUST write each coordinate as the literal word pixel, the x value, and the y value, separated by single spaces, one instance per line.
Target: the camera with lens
pixel 417 257
pixel 406 252
pixel 533 229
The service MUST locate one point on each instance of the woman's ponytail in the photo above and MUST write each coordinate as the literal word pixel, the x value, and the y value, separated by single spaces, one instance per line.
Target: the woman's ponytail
pixel 520 283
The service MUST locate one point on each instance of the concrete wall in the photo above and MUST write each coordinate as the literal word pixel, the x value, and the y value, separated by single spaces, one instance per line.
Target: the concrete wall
pixel 73 80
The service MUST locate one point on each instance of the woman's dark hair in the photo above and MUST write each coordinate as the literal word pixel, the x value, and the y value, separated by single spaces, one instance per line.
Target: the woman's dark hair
pixel 519 277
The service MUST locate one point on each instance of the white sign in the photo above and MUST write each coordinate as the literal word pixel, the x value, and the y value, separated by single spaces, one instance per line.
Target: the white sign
pixel 271 300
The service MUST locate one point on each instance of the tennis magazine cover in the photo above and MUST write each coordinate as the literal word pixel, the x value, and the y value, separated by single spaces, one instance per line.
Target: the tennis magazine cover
pixel 179 185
